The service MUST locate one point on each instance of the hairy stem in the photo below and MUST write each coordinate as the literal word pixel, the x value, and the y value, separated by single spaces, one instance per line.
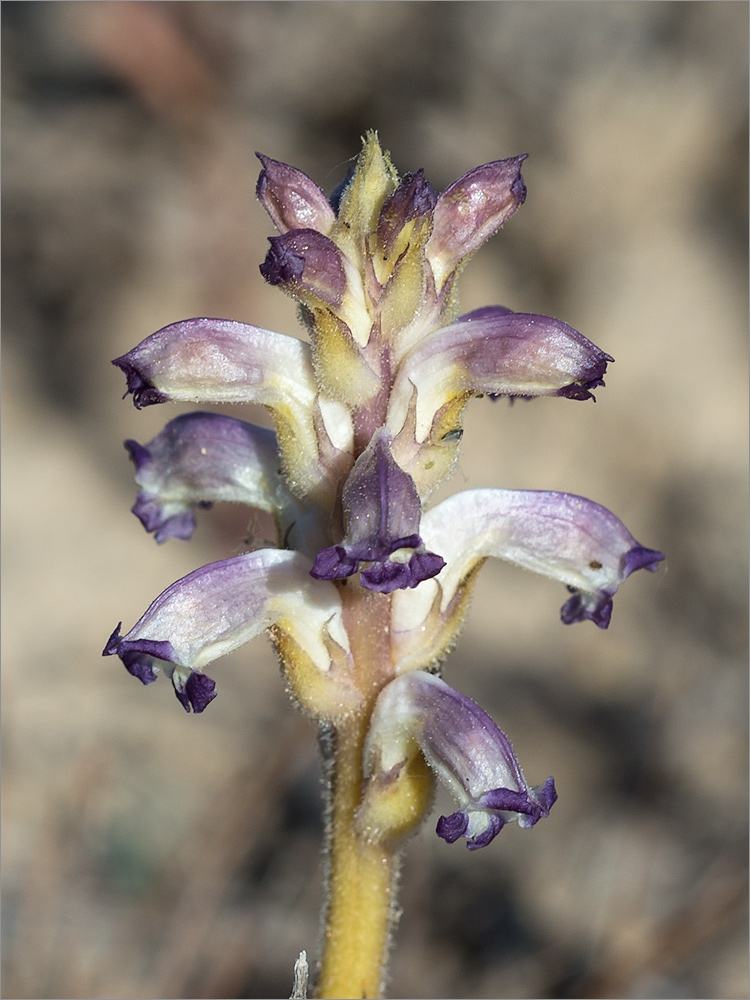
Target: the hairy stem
pixel 361 883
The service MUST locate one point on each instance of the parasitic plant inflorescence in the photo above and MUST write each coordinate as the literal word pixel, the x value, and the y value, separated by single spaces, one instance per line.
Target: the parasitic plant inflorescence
pixel 365 589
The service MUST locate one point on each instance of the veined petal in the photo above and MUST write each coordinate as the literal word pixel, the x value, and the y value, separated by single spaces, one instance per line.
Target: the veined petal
pixel 494 350
pixel 465 749
pixel 381 520
pixel 222 361
pixel 291 198
pixel 469 211
pixel 199 459
pixel 560 535
pixel 218 361
pixel 223 605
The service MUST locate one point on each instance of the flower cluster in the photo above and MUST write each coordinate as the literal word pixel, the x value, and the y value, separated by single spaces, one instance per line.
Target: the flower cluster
pixel 366 585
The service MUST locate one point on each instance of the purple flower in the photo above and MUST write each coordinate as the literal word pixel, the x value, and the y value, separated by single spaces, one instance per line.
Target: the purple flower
pixel 470 211
pixel 381 511
pixel 560 535
pixel 307 264
pixel 199 459
pixel 291 199
pixel 223 605
pixel 464 748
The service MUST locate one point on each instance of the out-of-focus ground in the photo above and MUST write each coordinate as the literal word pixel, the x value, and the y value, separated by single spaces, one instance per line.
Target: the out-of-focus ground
pixel 151 854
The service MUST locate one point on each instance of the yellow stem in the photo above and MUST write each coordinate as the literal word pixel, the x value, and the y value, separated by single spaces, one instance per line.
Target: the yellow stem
pixel 361 883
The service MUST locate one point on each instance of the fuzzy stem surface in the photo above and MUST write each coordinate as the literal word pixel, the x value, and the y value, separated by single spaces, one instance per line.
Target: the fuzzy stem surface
pixel 361 883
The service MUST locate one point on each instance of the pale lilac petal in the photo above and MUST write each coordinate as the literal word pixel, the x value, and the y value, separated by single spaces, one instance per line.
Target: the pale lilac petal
pixel 223 605
pixel 469 211
pixel 199 459
pixel 196 692
pixel 292 200
pixel 465 749
pixel 559 535
pixel 219 361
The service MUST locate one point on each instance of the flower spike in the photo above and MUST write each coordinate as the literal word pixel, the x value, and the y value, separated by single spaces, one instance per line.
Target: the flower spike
pixel 368 588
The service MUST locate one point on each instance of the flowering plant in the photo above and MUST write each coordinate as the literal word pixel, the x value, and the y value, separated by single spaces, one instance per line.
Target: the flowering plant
pixel 366 587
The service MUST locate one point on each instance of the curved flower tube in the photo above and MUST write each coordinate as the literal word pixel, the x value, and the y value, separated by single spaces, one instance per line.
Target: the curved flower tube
pixel 223 605
pixel 464 748
pixel 494 350
pixel 220 361
pixel 199 459
pixel 491 350
pixel 560 535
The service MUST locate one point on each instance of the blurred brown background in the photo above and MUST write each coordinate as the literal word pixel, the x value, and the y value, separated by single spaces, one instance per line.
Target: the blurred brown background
pixel 151 854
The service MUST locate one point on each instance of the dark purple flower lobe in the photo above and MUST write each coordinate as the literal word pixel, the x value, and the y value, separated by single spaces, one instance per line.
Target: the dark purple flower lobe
pixel 163 525
pixel 199 459
pixel 450 828
pixel 306 264
pixel 138 657
pixel 198 692
pixel 596 606
pixel 142 390
pixel 382 511
pixel 144 658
